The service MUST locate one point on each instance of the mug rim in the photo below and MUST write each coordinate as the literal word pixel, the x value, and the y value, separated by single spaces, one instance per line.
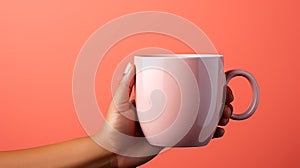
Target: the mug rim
pixel 172 56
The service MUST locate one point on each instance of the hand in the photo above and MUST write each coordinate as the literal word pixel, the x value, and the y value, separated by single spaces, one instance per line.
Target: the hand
pixel 134 152
pixel 227 112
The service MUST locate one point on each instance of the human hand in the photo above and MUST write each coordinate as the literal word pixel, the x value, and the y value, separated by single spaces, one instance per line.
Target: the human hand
pixel 122 135
pixel 227 112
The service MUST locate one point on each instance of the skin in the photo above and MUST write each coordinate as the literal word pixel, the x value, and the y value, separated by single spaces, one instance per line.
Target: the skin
pixel 86 152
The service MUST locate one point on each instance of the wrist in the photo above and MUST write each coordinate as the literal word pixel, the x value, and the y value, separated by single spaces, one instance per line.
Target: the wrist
pixel 101 157
pixel 107 159
pixel 114 161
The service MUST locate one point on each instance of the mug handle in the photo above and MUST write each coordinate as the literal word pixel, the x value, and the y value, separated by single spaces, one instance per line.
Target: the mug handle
pixel 255 92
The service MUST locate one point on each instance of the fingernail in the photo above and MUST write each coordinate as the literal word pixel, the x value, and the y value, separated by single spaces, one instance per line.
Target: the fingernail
pixel 128 67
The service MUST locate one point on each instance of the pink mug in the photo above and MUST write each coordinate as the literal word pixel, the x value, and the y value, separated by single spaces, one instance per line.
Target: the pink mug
pixel 180 97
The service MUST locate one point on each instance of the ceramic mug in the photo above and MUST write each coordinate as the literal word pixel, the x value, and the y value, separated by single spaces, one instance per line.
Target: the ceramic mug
pixel 180 97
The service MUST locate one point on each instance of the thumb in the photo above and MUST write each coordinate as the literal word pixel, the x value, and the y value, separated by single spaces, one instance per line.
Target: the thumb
pixel 122 94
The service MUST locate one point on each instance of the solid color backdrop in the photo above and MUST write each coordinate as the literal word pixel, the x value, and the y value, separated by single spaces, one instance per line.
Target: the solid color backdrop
pixel 40 40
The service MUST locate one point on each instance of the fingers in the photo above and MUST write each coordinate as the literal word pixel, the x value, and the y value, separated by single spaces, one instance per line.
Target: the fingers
pixel 231 108
pixel 229 95
pixel 228 108
pixel 122 94
pixel 223 121
pixel 219 132
pixel 227 112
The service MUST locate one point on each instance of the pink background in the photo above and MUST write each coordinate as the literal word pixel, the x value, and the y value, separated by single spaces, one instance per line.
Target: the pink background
pixel 40 41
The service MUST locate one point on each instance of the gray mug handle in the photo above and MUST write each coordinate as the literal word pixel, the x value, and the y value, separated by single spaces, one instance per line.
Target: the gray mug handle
pixel 255 92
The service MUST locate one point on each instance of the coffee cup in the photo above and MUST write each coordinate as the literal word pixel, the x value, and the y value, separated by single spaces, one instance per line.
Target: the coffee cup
pixel 180 97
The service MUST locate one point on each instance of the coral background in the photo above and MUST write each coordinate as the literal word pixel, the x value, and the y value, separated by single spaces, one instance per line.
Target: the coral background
pixel 40 41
